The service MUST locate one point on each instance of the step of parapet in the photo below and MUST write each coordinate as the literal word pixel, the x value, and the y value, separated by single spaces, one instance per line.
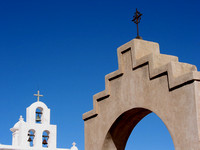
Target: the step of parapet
pixel 147 53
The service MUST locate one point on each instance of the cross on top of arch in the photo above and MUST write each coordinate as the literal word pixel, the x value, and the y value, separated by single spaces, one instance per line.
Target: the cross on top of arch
pixel 38 95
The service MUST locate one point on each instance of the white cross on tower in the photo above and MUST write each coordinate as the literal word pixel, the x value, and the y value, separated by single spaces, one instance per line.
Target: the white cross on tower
pixel 38 95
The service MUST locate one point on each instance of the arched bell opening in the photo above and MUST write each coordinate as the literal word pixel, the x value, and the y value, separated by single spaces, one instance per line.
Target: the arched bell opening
pixel 31 136
pixel 121 129
pixel 38 115
pixel 45 138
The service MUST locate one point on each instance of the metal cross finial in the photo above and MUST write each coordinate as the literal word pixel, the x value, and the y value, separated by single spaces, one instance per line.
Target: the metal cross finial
pixel 38 95
pixel 136 20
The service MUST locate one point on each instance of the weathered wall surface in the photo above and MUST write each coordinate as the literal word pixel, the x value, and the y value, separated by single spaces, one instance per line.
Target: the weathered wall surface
pixel 146 82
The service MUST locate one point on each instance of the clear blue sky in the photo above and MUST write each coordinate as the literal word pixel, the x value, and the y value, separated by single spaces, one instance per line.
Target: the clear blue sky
pixel 65 48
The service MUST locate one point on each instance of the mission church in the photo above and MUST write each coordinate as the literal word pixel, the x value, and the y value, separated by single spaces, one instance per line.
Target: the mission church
pixel 36 133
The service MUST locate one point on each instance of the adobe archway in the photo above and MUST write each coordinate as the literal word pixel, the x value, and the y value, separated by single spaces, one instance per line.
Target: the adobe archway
pixel 146 81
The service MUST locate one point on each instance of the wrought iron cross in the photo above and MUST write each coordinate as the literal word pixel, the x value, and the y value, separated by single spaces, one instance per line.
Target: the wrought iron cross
pixel 38 95
pixel 136 20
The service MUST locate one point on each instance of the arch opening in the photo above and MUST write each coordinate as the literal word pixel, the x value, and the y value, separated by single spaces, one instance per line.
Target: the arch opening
pixel 150 134
pixel 31 136
pixel 45 139
pixel 121 129
pixel 38 115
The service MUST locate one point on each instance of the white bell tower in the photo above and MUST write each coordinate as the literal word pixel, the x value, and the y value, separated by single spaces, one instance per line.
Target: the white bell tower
pixel 36 133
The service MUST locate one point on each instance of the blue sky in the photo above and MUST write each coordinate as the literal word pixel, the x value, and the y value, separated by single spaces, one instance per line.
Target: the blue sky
pixel 65 48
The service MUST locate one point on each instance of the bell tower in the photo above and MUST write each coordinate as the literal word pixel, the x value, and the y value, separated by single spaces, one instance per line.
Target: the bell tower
pixel 36 132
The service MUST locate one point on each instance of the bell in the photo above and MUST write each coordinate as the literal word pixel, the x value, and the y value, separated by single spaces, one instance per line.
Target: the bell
pixel 44 142
pixel 38 119
pixel 29 139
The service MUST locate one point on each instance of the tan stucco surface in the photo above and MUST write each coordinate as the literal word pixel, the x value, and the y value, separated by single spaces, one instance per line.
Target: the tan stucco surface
pixel 145 82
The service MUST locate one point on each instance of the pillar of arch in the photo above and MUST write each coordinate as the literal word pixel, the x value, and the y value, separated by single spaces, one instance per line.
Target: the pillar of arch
pixel 145 82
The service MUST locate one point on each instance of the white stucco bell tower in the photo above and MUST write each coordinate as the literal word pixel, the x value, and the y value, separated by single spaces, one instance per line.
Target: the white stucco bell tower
pixel 36 133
